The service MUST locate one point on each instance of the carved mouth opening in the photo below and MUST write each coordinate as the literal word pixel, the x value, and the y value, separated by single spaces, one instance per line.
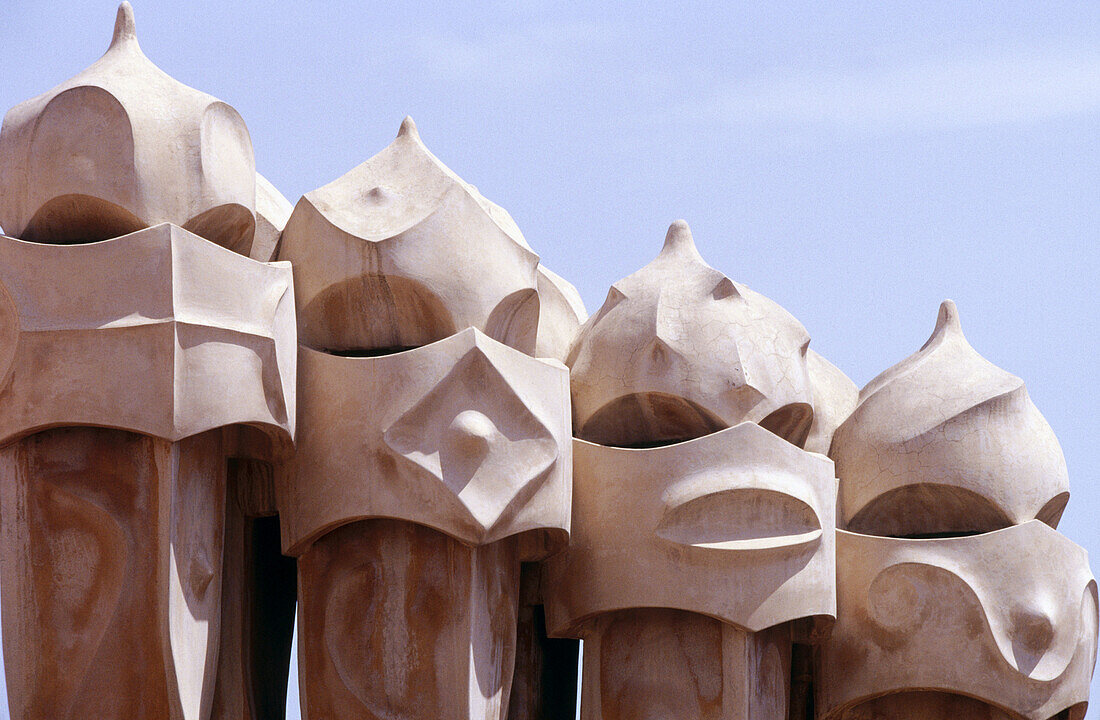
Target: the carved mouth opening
pixel 646 420
pixel 939 535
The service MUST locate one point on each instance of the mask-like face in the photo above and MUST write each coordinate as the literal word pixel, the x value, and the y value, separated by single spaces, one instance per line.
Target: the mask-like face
pixel 946 442
pixel 1008 618
pixel 122 146
pixel 423 414
pixel 736 525
pixel 400 253
pixel 678 350
pixel 159 332
pixel 466 435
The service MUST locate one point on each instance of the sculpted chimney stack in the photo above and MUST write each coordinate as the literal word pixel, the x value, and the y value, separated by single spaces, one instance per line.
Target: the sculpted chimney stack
pixel 375 416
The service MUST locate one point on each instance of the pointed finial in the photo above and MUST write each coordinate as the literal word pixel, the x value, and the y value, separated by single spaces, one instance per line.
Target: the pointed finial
pixel 679 242
pixel 948 318
pixel 679 236
pixel 125 28
pixel 408 127
pixel 947 323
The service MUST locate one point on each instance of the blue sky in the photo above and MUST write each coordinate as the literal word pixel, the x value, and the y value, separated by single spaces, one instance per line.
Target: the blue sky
pixel 855 162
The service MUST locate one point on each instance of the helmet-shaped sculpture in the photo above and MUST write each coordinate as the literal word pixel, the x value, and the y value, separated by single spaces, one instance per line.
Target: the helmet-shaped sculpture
pixel 957 596
pixel 400 252
pixel 123 146
pixel 679 350
pixel 947 442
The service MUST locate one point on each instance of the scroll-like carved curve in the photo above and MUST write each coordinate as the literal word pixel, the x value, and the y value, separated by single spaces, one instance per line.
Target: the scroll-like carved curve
pixel 977 616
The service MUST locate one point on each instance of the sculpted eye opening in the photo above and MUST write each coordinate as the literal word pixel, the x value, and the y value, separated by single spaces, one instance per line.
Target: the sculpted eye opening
pixel 373 315
pixel 232 226
pixel 742 518
pixel 77 219
pixel 645 420
pixel 1051 513
pixel 370 352
pixel 930 704
pixel 929 510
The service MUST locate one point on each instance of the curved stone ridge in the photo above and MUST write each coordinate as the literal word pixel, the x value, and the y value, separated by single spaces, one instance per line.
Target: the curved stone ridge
pixel 400 252
pixel 272 213
pixel 123 146
pixel 159 332
pixel 736 525
pixel 835 397
pixel 679 350
pixel 946 442
pixel 561 314
pixel 466 435
pixel 1007 617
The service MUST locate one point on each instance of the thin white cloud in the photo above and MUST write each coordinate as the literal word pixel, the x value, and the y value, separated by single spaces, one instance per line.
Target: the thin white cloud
pixel 535 53
pixel 1004 85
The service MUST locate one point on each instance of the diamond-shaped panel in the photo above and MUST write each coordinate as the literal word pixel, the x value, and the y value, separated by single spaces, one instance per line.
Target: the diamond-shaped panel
pixel 474 434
